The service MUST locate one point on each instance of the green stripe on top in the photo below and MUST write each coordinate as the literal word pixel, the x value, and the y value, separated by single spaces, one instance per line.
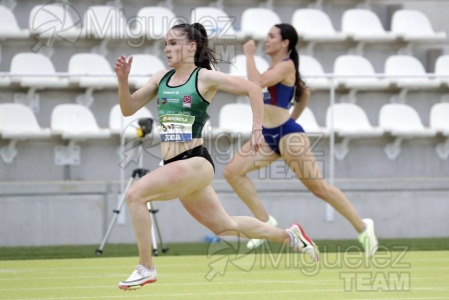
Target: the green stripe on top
pixel 183 100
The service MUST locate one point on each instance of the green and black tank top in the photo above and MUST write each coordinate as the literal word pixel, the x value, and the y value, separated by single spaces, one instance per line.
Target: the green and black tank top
pixel 182 110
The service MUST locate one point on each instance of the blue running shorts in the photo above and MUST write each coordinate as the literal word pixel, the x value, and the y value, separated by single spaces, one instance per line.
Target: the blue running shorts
pixel 273 135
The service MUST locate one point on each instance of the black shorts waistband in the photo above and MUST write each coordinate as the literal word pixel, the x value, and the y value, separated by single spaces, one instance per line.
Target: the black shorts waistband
pixel 197 151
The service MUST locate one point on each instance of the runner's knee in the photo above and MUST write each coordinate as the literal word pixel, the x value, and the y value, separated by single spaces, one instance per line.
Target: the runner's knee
pixel 230 173
pixel 320 190
pixel 133 196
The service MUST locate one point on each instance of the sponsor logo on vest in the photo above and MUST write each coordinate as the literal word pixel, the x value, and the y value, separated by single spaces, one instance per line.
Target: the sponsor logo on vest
pixel 176 118
pixel 187 101
pixel 172 137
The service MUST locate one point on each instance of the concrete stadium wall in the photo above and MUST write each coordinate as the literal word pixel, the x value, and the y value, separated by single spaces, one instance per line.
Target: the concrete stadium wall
pixel 66 213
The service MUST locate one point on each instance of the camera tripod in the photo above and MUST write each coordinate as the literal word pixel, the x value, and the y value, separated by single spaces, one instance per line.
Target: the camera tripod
pixel 145 128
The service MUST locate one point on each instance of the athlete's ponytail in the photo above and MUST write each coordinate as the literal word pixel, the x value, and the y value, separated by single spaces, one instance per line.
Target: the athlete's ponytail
pixel 204 56
pixel 288 32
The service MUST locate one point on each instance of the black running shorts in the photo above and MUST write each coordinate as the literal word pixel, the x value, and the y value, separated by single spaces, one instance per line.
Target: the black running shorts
pixel 197 151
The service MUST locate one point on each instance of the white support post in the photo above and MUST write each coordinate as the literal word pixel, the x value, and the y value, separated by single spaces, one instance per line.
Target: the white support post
pixel 399 98
pixel 101 49
pixel 318 4
pixel 407 50
pixel 444 98
pixel 392 150
pixel 342 149
pixel 269 4
pixel 310 48
pixel 30 99
pixel 87 98
pixel 442 149
pixel 67 155
pixel 167 3
pixel 358 50
pixel 350 97
pixel 330 213
pixel 155 49
pixel 11 4
pixel 115 3
pixel 9 152
pixel 218 4
pixel 365 5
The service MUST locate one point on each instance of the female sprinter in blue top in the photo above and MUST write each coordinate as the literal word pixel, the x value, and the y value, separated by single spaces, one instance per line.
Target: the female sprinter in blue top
pixel 284 137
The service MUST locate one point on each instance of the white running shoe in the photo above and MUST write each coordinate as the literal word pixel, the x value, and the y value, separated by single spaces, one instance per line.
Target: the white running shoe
pixel 254 243
pixel 138 278
pixel 301 243
pixel 368 238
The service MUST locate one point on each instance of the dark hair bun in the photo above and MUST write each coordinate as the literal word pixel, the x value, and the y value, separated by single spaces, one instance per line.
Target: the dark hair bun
pixel 200 28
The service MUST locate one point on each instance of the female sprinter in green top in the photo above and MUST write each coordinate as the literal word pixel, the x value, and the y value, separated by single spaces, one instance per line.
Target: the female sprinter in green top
pixel 183 94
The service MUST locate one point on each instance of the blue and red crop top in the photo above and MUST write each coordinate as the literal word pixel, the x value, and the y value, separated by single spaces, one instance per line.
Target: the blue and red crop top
pixel 280 95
